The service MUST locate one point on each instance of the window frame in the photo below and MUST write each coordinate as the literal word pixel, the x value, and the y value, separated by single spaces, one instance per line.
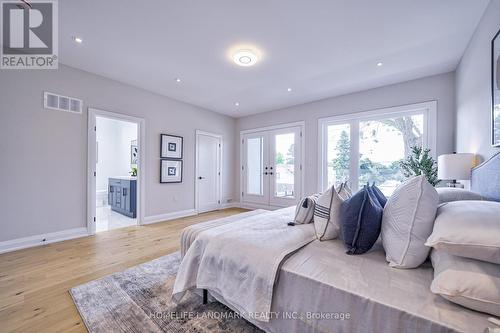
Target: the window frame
pixel 428 109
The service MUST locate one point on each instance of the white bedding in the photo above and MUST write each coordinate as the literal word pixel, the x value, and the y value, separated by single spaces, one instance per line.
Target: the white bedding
pixel 239 261
pixel 321 279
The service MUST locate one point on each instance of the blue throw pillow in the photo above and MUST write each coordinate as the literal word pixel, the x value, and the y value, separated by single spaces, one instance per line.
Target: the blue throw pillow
pixel 361 219
pixel 382 200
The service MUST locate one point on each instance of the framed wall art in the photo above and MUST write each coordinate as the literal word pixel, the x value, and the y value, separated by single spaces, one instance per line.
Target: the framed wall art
pixel 171 146
pixel 170 171
pixel 134 152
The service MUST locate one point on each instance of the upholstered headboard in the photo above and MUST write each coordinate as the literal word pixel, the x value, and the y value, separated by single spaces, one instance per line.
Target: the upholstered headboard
pixel 485 178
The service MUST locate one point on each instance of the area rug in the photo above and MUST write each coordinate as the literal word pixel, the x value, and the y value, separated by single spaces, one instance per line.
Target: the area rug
pixel 139 300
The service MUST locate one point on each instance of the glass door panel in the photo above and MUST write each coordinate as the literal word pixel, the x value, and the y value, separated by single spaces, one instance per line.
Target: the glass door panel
pixel 285 166
pixel 255 162
pixel 255 167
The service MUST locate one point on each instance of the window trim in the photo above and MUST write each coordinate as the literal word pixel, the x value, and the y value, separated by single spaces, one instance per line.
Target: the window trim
pixel 429 109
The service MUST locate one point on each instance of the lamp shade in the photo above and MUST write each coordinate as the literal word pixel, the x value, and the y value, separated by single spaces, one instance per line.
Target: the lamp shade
pixel 455 166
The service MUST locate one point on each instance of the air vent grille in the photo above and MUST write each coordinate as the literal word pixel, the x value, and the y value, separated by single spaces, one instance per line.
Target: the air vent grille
pixel 62 103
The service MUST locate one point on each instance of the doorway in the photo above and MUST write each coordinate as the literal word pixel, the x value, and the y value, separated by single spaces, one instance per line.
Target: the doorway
pixel 271 166
pixel 208 181
pixel 115 165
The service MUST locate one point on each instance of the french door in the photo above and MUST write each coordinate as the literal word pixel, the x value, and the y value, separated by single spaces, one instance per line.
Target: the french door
pixel 272 167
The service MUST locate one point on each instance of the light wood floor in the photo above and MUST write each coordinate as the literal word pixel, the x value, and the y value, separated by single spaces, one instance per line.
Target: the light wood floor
pixel 34 282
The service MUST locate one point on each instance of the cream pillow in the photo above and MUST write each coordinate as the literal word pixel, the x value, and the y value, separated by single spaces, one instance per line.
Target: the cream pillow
pixel 449 194
pixel 472 283
pixel 407 222
pixel 304 212
pixel 468 229
pixel 327 213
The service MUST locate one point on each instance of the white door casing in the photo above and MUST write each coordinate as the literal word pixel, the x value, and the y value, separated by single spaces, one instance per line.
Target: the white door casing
pixel 91 164
pixel 208 189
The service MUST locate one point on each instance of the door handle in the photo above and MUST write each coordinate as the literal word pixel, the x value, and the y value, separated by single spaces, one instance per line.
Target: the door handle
pixel 271 173
pixel 200 178
pixel 265 173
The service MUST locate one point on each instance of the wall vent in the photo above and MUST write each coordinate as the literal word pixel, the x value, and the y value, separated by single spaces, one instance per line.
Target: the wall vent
pixel 62 103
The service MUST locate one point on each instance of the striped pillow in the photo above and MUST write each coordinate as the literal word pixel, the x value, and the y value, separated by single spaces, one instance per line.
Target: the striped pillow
pixel 326 213
pixel 304 213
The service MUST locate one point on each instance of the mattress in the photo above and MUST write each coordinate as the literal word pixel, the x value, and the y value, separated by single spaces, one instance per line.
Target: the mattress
pixel 322 289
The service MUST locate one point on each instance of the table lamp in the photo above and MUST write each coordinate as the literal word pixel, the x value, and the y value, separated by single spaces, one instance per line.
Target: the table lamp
pixel 455 167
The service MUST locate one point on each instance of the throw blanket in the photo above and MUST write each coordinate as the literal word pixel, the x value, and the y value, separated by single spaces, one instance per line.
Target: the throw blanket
pixel 240 261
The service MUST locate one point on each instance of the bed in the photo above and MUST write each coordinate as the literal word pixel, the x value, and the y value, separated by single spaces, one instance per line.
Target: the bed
pixel 321 289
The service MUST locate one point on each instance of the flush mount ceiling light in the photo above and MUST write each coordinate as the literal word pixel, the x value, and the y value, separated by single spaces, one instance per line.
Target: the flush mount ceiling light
pixel 177 80
pixel 78 40
pixel 379 64
pixel 237 104
pixel 289 89
pixel 245 58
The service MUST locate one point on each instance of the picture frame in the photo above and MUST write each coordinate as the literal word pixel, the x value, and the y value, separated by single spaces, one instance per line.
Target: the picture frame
pixel 495 90
pixel 170 171
pixel 171 146
pixel 134 153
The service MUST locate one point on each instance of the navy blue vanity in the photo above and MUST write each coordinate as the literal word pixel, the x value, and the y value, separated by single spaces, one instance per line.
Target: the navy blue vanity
pixel 122 195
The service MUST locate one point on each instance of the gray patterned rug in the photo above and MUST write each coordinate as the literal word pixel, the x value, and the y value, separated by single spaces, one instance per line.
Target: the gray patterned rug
pixel 138 300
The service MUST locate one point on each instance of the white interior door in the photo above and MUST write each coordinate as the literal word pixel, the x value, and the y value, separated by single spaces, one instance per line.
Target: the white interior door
pixel 285 166
pixel 255 168
pixel 208 171
pixel 272 167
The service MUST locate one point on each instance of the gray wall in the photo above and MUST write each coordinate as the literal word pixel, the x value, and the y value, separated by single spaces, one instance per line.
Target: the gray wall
pixel 44 153
pixel 473 88
pixel 439 88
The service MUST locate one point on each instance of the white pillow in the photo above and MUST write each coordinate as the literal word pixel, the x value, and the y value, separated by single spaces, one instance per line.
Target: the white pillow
pixel 304 212
pixel 468 229
pixel 327 213
pixel 472 283
pixel 449 194
pixel 407 222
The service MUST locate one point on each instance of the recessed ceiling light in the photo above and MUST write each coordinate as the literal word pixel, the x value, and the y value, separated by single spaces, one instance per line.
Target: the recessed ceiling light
pixel 289 89
pixel 379 64
pixel 245 58
pixel 177 79
pixel 79 40
pixel 237 104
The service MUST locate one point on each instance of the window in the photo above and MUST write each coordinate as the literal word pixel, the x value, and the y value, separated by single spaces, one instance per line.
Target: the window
pixel 367 147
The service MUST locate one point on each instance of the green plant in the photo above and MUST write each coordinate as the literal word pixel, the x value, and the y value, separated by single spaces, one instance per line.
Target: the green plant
pixel 419 162
pixel 133 172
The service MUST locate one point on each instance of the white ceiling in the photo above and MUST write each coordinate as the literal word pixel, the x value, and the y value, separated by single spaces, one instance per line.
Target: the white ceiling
pixel 318 48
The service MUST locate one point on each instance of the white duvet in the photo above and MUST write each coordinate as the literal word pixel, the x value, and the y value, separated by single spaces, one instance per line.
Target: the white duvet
pixel 240 261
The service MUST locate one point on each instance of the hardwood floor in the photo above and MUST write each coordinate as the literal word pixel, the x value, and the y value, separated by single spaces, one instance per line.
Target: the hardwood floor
pixel 34 282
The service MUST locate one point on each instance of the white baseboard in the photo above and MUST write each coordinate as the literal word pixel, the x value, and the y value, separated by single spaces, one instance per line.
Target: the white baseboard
pixel 259 206
pixel 43 239
pixel 168 216
pixel 230 205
